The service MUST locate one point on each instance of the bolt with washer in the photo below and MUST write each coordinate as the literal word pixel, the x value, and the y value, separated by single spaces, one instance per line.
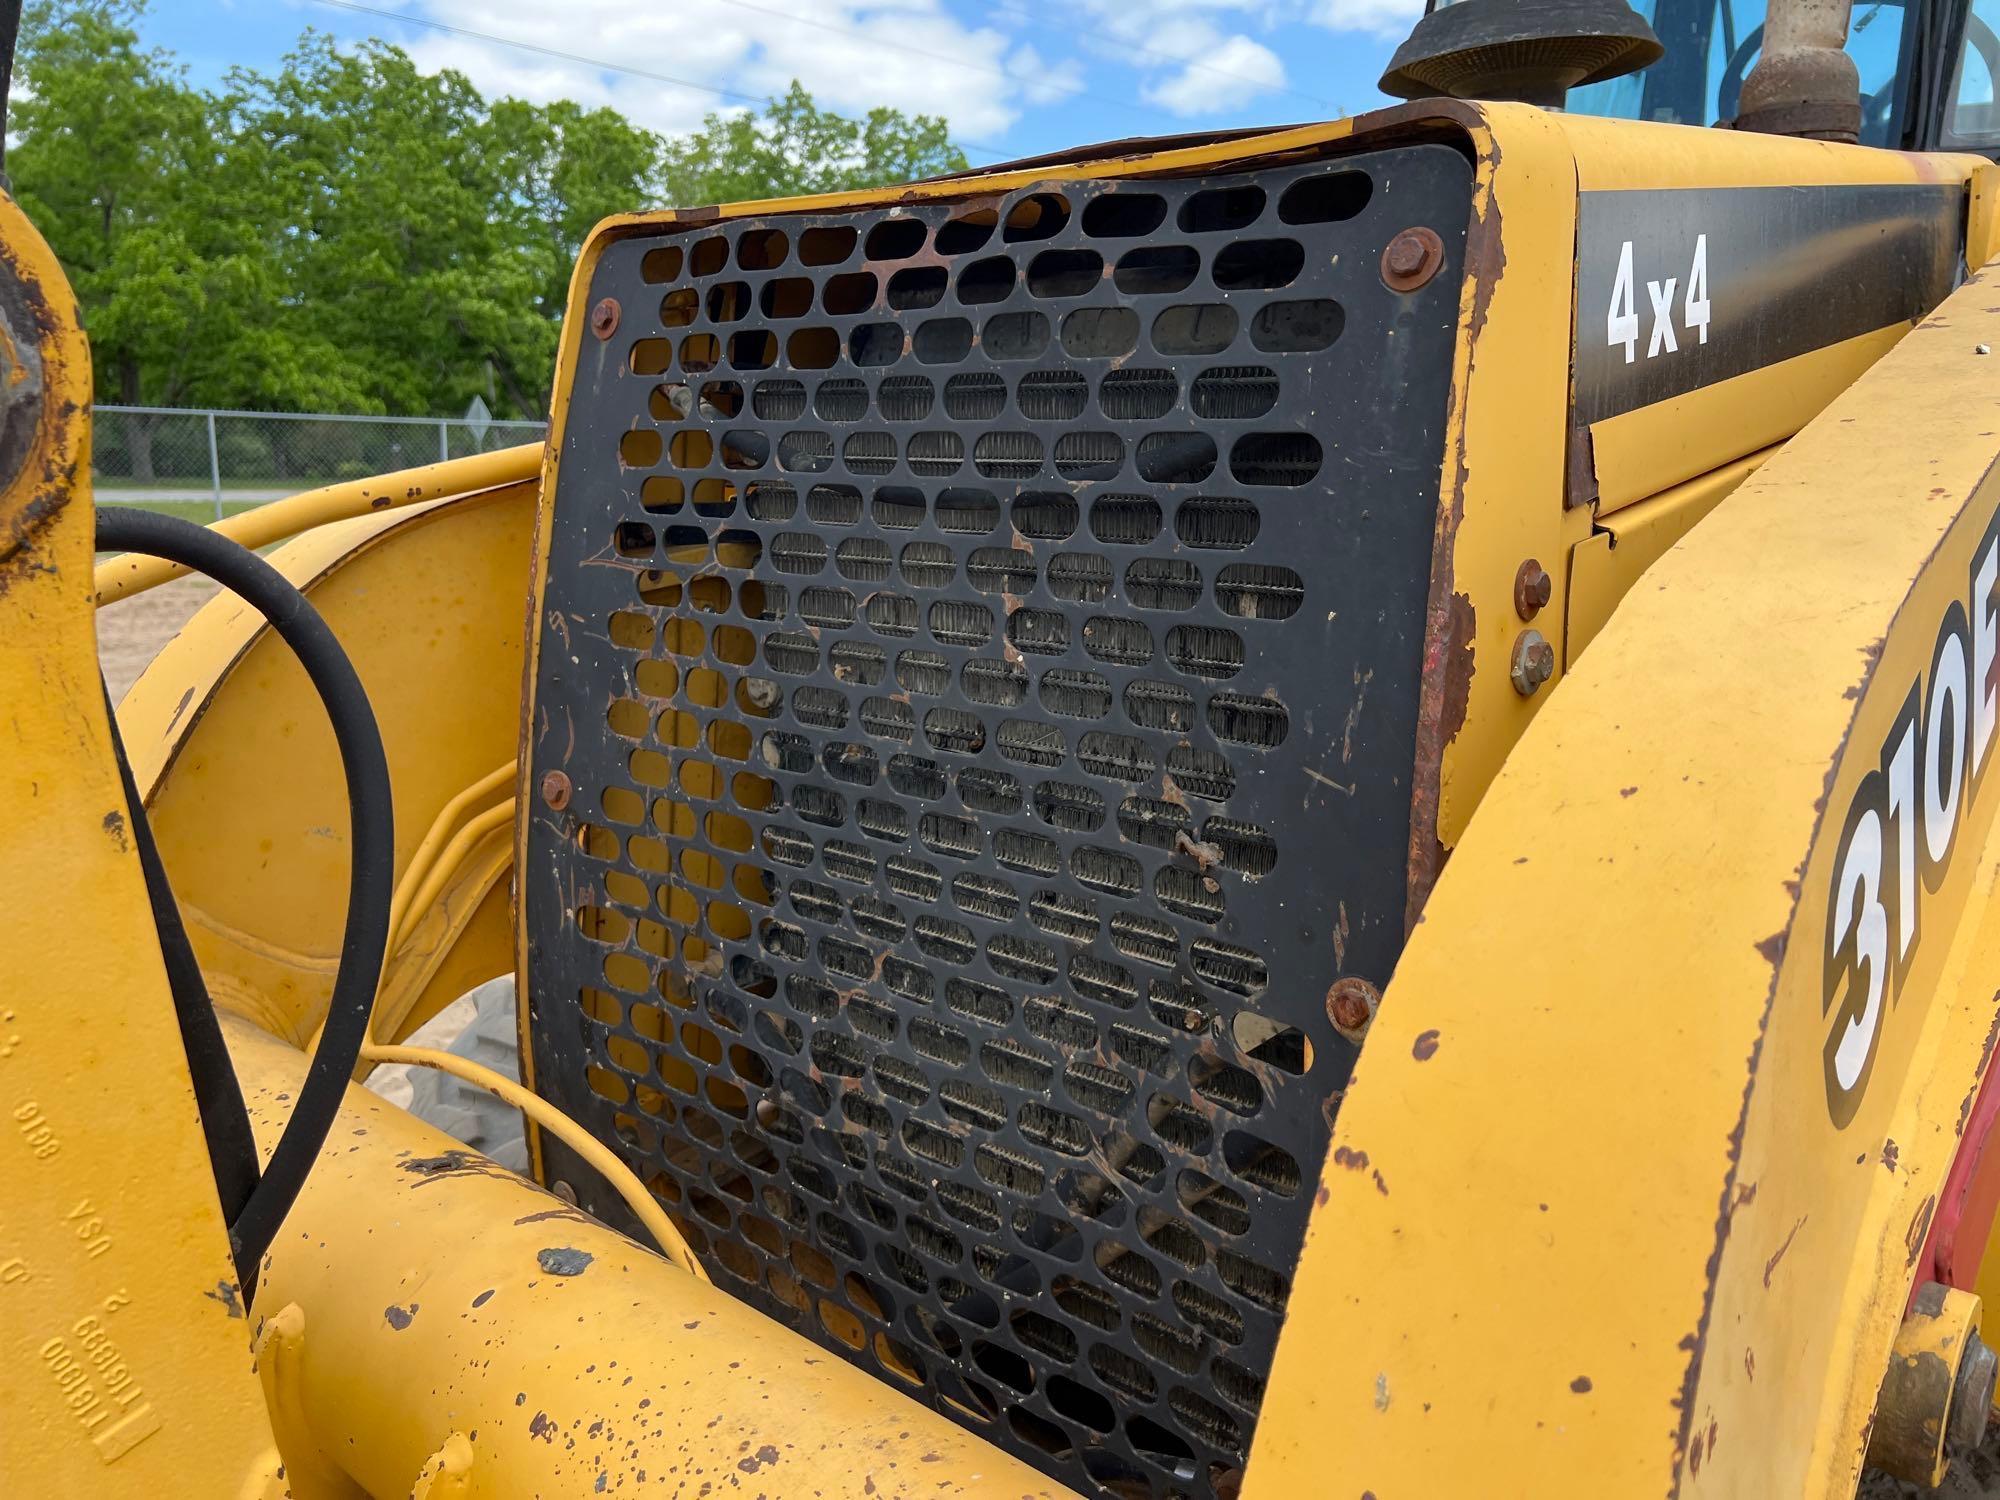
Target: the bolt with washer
pixel 1533 588
pixel 1534 662
pixel 555 790
pixel 1411 259
pixel 604 317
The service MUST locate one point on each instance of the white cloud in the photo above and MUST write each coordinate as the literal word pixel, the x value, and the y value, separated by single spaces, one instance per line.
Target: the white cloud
pixel 1196 56
pixel 1043 82
pixel 1384 18
pixel 1219 80
pixel 851 55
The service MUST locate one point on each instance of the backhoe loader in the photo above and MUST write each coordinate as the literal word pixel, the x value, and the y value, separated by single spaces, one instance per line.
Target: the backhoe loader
pixel 1293 813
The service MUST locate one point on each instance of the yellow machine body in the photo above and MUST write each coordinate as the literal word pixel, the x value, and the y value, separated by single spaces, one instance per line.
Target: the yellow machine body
pixel 1615 1204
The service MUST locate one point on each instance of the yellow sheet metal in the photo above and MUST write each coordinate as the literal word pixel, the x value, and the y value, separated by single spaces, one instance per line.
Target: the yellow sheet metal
pixel 239 768
pixel 429 1312
pixel 1596 1222
pixel 124 1351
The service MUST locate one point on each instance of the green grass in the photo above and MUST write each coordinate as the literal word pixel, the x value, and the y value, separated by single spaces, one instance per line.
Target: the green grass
pixel 202 511
pixel 202 482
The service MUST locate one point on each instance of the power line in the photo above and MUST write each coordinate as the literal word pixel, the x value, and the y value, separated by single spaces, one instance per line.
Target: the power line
pixel 1172 57
pixel 592 62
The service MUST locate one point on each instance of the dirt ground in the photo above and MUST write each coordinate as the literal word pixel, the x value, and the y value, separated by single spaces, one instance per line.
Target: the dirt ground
pixel 131 632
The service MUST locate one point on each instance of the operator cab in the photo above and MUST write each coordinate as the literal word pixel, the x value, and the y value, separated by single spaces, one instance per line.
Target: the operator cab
pixel 1927 69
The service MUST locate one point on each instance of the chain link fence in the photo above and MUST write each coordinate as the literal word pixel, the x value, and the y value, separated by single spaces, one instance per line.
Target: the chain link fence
pixel 195 459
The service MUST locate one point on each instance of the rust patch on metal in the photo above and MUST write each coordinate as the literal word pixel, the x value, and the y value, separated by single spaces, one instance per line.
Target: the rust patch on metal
pixel 1581 1385
pixel 1425 1047
pixel 1771 1265
pixel 1919 1230
pixel 399 1318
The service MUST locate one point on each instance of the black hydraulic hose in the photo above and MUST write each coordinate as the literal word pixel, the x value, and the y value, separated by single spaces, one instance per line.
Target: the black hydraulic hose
pixel 371 842
pixel 225 1124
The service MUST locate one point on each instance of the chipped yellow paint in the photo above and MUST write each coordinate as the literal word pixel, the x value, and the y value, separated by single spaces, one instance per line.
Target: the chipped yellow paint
pixel 1611 1239
pixel 428 1292
pixel 124 1354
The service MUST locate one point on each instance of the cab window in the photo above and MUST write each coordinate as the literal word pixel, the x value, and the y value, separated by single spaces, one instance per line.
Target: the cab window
pixel 1713 44
pixel 1970 116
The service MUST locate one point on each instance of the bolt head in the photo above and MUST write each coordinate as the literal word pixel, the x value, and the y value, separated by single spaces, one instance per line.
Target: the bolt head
pixel 1533 588
pixel 604 317
pixel 555 790
pixel 1534 662
pixel 1412 258
pixel 1351 1004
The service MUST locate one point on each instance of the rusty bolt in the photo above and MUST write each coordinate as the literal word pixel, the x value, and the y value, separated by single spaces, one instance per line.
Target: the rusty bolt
pixel 1194 1020
pixel 1351 1005
pixel 555 789
pixel 604 317
pixel 1533 589
pixel 767 1112
pixel 1534 662
pixel 1411 259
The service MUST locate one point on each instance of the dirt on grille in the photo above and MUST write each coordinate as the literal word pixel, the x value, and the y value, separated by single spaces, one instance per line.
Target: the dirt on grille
pixel 131 632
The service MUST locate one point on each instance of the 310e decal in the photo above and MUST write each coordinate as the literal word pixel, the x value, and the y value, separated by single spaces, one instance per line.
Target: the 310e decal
pixel 1900 831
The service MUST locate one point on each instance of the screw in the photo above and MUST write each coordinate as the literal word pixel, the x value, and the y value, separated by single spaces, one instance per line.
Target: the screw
pixel 1532 589
pixel 1351 1004
pixel 1411 259
pixel 1534 662
pixel 604 317
pixel 555 789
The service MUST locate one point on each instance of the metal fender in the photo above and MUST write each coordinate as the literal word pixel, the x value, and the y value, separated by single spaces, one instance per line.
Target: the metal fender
pixel 1646 1150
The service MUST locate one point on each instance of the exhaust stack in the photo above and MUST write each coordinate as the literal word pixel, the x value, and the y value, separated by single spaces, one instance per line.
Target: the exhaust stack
pixel 1805 84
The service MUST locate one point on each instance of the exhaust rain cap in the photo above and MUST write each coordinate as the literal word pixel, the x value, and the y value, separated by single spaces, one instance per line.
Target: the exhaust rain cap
pixel 1535 51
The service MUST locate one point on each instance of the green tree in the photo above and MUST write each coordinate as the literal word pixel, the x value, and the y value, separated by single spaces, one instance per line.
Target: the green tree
pixel 347 233
pixel 796 147
pixel 116 162
pixel 570 168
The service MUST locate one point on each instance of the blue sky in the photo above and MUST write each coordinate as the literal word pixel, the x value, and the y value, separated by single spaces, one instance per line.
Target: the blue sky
pixel 1014 77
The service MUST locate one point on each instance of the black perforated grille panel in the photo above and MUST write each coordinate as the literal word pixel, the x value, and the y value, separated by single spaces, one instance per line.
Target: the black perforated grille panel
pixel 985 640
